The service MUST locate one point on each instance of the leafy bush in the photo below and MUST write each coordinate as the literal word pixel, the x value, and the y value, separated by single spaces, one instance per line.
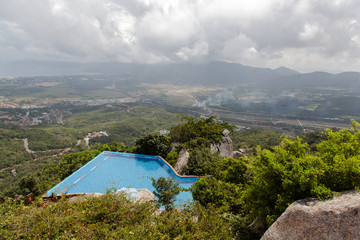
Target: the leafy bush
pixel 280 177
pixel 202 162
pixel 172 156
pixel 153 144
pixel 190 129
pixel 214 192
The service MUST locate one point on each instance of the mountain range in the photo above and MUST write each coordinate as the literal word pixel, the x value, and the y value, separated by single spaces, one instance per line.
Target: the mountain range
pixel 209 74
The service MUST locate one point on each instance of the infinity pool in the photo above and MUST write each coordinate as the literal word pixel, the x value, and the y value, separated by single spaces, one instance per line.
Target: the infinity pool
pixel 113 170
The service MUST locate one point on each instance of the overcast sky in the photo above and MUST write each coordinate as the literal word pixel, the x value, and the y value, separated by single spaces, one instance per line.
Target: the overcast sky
pixel 306 35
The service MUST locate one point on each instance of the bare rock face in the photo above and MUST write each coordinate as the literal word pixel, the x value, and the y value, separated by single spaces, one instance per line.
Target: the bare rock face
pixel 337 218
pixel 183 159
pixel 226 147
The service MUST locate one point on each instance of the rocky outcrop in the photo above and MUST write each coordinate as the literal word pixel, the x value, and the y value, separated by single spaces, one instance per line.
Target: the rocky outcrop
pixel 225 148
pixel 337 218
pixel 182 160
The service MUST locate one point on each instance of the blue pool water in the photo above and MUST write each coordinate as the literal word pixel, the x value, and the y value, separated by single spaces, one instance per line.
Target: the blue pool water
pixel 111 170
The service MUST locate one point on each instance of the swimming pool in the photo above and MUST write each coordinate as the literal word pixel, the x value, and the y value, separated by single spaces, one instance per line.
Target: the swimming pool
pixel 114 170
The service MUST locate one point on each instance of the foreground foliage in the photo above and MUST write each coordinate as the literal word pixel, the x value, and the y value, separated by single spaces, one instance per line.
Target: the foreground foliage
pixel 111 216
pixel 260 188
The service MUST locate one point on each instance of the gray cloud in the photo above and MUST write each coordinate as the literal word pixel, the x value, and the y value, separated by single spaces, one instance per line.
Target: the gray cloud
pixel 302 34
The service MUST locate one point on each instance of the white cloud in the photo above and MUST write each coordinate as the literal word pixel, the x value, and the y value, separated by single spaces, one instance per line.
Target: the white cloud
pixel 310 31
pixel 258 32
pixel 239 48
pixel 197 52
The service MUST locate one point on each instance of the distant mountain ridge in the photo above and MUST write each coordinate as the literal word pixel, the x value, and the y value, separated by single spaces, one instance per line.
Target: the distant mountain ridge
pixel 286 71
pixel 209 74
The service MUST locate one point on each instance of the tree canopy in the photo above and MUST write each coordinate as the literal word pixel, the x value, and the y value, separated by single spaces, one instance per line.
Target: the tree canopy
pixel 153 144
pixel 202 131
pixel 263 186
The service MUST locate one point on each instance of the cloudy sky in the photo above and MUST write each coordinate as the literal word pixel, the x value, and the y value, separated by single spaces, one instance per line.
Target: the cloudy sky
pixel 306 35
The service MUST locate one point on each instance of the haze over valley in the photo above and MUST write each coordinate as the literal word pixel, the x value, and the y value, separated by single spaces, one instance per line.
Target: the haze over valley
pixel 233 91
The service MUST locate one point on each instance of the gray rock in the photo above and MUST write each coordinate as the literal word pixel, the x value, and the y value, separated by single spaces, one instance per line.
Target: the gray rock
pixel 182 160
pixel 242 150
pixel 337 218
pixel 145 196
pixel 226 133
pixel 237 154
pixel 214 147
pixel 226 147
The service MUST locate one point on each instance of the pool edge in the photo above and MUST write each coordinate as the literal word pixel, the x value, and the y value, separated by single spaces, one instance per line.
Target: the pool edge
pixel 46 196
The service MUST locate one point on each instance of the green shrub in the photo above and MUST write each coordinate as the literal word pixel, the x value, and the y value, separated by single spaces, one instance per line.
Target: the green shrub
pixel 172 157
pixel 153 144
pixel 111 216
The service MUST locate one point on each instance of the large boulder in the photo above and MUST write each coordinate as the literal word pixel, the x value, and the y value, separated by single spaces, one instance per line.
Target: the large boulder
pixel 337 218
pixel 226 147
pixel 182 160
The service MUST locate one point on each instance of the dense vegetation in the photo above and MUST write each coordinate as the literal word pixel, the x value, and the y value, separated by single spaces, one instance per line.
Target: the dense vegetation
pixel 240 199
pixel 112 216
pixel 262 187
pixel 11 148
